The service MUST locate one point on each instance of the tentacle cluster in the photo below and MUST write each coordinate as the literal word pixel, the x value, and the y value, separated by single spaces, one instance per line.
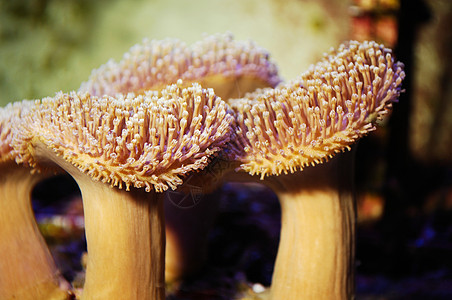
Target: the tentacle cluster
pixel 153 138
pixel 320 113
pixel 149 140
pixel 10 116
pixel 156 63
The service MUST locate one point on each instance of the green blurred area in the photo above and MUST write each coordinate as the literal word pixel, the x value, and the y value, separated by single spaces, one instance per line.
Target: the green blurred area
pixel 52 45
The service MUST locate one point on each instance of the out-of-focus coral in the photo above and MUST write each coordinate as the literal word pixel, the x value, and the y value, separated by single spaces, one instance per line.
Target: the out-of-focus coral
pixel 375 20
pixel 431 118
pixel 370 207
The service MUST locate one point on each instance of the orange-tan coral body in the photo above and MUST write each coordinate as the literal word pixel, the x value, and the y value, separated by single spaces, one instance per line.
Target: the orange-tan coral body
pixel 144 144
pixel 230 67
pixel 285 132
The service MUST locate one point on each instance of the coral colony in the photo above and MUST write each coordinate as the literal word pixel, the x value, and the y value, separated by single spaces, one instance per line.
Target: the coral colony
pixel 139 127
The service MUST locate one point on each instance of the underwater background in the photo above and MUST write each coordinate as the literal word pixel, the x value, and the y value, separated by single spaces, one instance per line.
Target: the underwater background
pixel 403 170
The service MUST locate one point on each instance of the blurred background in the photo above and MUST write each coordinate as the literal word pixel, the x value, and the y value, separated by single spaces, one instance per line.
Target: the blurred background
pixel 403 170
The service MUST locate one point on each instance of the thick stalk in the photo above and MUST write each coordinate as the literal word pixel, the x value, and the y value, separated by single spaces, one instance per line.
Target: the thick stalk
pixel 27 269
pixel 125 237
pixel 316 251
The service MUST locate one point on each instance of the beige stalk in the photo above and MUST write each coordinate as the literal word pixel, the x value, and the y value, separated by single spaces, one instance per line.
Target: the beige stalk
pixel 316 257
pixel 124 234
pixel 27 269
